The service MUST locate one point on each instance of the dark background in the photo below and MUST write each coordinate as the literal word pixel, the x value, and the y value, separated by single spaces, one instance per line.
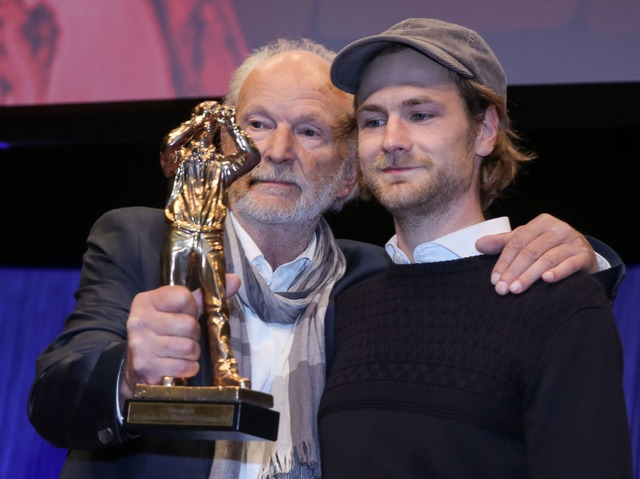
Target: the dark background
pixel 65 165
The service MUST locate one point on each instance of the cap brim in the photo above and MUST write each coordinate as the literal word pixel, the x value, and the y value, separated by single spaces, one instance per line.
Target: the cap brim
pixel 348 65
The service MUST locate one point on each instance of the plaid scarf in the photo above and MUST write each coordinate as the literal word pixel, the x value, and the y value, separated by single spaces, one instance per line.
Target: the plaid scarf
pixel 298 384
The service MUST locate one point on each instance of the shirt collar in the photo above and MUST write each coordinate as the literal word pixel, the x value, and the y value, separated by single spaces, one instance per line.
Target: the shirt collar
pixel 284 273
pixel 456 245
pixel 249 246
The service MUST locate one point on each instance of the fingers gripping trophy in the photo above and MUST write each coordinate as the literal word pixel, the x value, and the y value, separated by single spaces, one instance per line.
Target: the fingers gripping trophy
pixel 196 211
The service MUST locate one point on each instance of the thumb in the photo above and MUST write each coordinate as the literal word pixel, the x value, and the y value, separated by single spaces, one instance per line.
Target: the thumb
pixel 231 287
pixel 197 295
pixel 233 284
pixel 493 244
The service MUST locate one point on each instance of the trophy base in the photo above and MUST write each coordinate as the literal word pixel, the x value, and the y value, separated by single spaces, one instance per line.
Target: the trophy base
pixel 210 413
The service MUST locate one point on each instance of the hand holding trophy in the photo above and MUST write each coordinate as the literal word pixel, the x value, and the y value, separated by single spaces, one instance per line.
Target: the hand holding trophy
pixel 196 211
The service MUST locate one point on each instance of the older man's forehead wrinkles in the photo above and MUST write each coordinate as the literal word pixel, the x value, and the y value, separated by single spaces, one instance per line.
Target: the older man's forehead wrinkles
pixel 253 111
pixel 313 117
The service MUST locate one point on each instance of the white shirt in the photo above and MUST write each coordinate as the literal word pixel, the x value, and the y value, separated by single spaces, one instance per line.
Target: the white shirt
pixel 269 343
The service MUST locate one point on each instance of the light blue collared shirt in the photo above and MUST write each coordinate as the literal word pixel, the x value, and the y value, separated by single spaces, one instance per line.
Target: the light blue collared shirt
pixel 456 245
pixel 459 244
pixel 269 342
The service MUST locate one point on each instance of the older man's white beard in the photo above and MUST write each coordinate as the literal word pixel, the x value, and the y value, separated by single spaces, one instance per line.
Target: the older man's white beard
pixel 313 201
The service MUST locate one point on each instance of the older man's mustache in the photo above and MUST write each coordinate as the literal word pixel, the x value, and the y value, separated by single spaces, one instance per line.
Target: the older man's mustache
pixel 262 174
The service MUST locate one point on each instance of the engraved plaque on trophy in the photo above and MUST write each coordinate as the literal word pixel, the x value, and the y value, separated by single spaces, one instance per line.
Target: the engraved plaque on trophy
pixel 196 211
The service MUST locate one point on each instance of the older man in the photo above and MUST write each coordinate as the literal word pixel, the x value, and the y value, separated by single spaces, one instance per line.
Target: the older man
pixel 127 329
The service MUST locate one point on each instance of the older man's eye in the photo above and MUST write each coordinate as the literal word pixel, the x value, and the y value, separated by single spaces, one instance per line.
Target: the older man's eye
pixel 310 133
pixel 255 124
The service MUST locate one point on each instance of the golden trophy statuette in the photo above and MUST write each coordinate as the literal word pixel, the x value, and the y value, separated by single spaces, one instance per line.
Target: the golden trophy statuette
pixel 196 210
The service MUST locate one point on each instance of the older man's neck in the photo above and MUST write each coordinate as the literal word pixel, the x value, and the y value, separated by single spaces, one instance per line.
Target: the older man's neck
pixel 280 243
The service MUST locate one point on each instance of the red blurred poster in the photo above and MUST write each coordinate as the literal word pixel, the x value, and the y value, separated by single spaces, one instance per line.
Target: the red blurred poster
pixel 61 51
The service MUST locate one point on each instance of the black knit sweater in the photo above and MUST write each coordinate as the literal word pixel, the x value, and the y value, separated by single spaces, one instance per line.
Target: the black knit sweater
pixel 437 376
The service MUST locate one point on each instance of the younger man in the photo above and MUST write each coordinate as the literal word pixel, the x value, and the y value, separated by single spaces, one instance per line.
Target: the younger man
pixel 435 375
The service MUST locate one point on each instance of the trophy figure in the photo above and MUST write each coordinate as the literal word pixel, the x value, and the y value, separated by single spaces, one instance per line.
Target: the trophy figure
pixel 196 210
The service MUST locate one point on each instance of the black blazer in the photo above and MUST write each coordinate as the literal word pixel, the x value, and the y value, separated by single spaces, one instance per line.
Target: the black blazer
pixel 73 402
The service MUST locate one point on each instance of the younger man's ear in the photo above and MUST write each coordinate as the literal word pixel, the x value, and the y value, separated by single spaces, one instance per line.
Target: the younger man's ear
pixel 488 132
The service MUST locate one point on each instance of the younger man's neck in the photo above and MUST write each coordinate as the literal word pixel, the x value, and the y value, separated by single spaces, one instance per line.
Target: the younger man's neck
pixel 412 231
